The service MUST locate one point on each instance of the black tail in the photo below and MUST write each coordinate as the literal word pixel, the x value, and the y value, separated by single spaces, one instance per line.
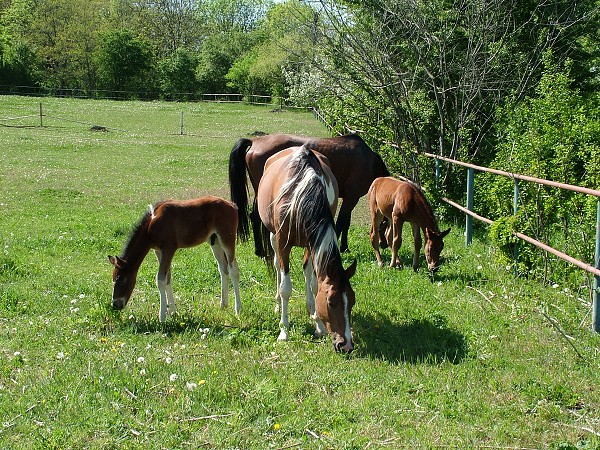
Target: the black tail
pixel 262 236
pixel 238 185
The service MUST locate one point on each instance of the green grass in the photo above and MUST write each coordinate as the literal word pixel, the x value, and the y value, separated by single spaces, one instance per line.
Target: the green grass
pixel 473 359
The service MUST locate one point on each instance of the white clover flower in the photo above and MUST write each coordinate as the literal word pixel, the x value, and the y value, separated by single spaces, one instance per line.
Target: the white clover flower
pixel 143 372
pixel 168 360
pixel 173 377
pixel 141 359
pixel 60 355
pixel 190 386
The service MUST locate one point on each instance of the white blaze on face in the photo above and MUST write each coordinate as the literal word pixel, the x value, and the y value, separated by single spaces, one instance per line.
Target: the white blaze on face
pixel 348 332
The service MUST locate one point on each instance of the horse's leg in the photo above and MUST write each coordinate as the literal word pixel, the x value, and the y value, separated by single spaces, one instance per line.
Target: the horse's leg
pixel 342 224
pixel 376 219
pixel 277 273
pixel 397 224
pixel 234 273
pixel 163 282
pixel 219 254
pixel 310 280
pixel 416 230
pixel 284 287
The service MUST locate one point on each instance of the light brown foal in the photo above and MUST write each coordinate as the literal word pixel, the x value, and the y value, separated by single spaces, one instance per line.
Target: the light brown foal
pixel 404 201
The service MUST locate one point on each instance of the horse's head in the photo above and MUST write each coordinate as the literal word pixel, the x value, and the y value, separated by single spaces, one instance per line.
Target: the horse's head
pixel 433 248
pixel 123 281
pixel 333 304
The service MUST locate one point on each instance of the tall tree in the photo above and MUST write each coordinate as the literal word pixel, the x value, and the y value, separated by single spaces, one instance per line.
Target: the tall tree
pixel 125 63
pixel 435 71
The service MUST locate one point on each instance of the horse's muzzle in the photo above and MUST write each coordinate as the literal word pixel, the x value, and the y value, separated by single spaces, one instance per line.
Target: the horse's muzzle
pixel 343 346
pixel 118 303
pixel 433 269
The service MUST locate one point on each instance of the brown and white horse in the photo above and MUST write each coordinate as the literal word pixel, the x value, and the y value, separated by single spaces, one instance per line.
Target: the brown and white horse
pixel 168 226
pixel 404 201
pixel 351 160
pixel 297 197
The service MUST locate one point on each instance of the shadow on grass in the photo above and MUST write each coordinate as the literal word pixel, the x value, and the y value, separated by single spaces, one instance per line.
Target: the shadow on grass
pixel 417 341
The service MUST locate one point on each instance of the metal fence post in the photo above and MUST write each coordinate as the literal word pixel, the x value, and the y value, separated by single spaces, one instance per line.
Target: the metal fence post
pixel 470 188
pixel 595 307
pixel 515 210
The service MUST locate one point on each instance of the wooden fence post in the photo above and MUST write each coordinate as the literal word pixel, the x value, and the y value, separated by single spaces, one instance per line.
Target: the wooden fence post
pixel 41 116
pixel 470 188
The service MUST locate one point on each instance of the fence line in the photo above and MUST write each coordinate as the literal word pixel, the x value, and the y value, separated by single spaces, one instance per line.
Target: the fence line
pixel 253 99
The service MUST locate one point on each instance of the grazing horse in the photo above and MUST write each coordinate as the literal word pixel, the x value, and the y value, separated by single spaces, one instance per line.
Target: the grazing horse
pixel 352 162
pixel 297 197
pixel 168 226
pixel 404 201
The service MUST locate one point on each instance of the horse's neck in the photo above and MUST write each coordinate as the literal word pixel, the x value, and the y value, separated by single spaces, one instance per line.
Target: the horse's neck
pixel 427 218
pixel 137 248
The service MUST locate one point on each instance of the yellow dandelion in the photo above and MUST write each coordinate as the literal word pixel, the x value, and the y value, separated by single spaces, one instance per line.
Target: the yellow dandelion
pixel 276 426
pixel 201 382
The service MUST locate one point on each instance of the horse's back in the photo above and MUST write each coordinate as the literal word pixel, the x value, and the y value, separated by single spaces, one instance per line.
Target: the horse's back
pixel 277 171
pixel 264 147
pixel 354 164
pixel 398 197
pixel 187 223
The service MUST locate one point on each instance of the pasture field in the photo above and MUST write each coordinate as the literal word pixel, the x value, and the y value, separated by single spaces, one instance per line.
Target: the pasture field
pixel 472 359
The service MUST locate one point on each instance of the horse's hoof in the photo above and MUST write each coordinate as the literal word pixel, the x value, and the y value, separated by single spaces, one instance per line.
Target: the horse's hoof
pixel 283 336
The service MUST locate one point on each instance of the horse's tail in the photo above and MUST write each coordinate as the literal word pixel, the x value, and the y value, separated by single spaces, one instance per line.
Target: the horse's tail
pixel 262 236
pixel 238 185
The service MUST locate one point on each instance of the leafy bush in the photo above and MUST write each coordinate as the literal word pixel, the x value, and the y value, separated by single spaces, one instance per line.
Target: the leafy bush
pixel 554 135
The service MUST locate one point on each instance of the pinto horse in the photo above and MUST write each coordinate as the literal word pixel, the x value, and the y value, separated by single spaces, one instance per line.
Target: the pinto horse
pixel 404 201
pixel 297 197
pixel 168 226
pixel 352 162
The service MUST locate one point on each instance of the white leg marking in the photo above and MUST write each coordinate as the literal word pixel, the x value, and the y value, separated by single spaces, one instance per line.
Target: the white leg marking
pixel 223 272
pixel 161 283
pixel 235 278
pixel 285 292
pixel 170 297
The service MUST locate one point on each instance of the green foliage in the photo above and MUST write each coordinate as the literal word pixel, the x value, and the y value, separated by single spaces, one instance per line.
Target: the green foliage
pixel 178 75
pixel 125 62
pixel 554 135
pixel 464 359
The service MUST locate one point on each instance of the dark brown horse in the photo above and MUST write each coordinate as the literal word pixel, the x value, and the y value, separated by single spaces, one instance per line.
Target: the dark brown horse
pixel 352 162
pixel 297 197
pixel 404 201
pixel 171 225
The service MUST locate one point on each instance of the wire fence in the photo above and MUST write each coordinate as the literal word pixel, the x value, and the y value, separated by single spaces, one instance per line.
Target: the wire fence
pixel 101 94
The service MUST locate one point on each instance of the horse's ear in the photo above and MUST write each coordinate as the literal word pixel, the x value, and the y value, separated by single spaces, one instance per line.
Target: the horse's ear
pixel 116 261
pixel 443 234
pixel 351 270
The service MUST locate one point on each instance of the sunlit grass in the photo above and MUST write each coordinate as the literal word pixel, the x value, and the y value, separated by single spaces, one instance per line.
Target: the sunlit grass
pixel 468 359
